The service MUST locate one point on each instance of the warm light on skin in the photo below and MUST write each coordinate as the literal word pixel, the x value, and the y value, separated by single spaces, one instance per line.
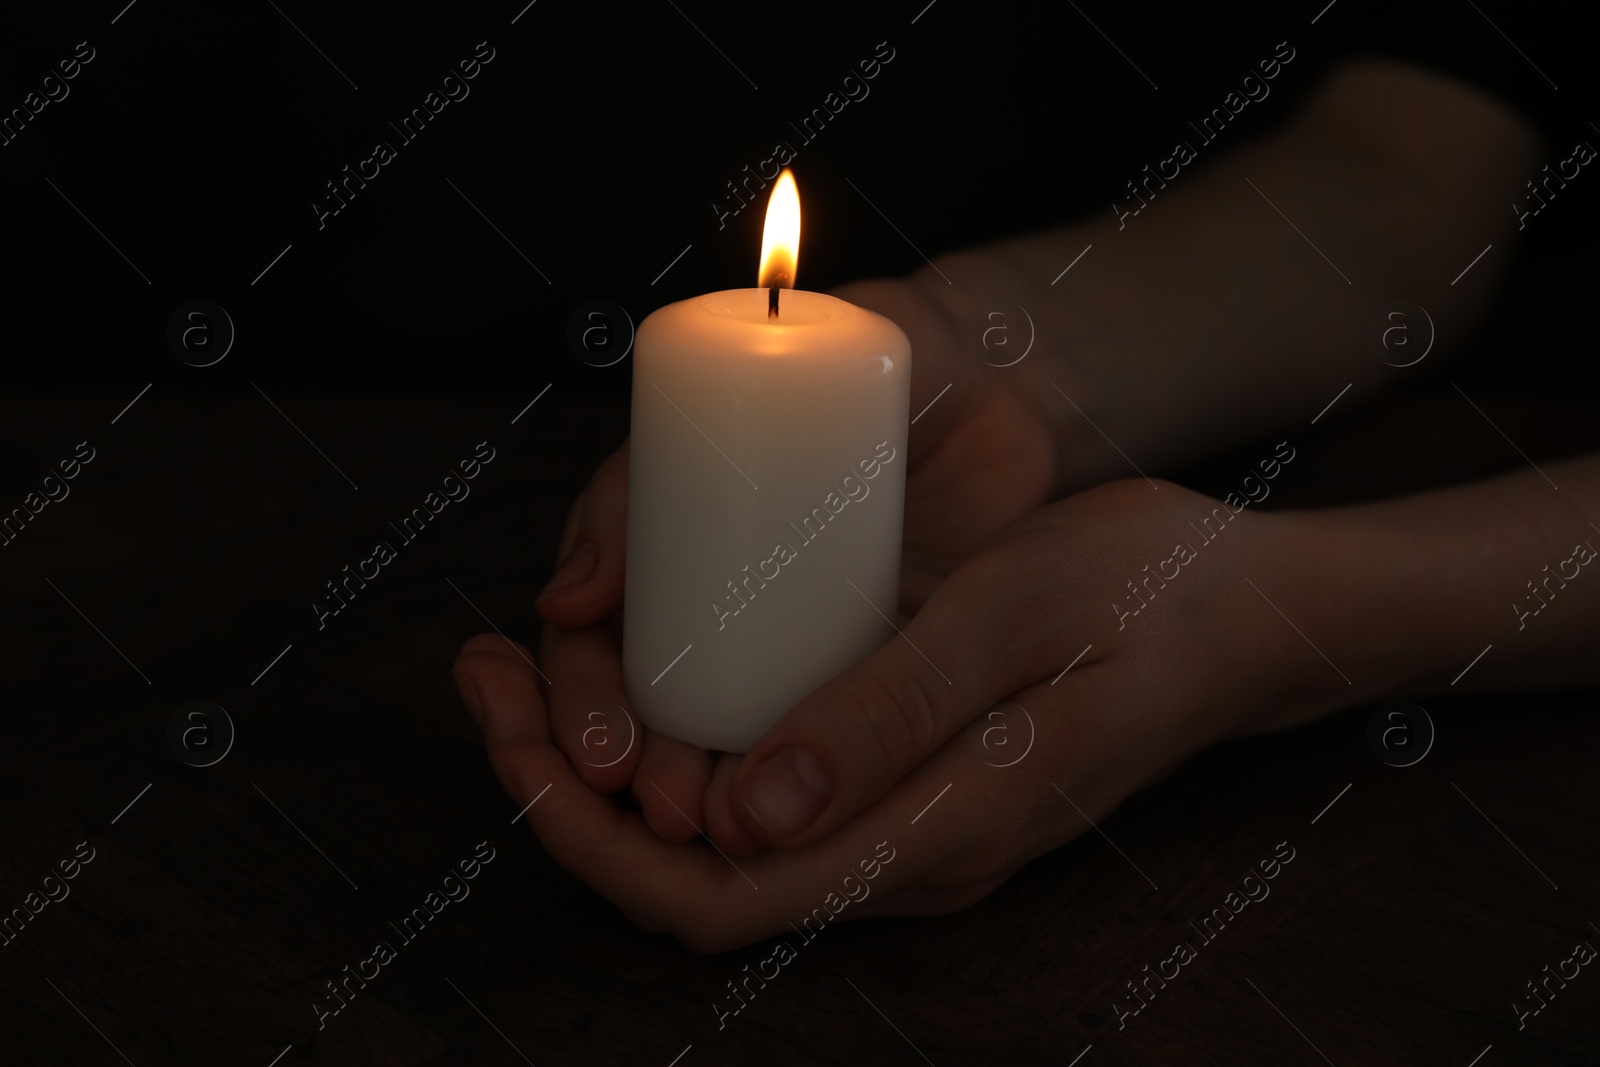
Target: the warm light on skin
pixel 780 237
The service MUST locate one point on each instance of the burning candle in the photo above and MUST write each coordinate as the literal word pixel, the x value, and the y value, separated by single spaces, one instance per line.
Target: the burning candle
pixel 765 497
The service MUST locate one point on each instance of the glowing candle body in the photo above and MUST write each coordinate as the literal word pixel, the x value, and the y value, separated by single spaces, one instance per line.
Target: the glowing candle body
pixel 765 496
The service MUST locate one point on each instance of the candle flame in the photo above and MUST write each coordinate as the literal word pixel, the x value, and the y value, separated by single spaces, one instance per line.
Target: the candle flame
pixel 780 238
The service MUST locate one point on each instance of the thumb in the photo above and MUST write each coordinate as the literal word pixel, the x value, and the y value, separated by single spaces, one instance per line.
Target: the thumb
pixel 845 745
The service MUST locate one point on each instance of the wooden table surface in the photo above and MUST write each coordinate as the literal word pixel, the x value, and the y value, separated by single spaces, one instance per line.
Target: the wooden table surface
pixel 220 900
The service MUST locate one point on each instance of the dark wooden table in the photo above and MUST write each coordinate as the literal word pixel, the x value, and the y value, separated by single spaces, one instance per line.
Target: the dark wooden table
pixel 221 900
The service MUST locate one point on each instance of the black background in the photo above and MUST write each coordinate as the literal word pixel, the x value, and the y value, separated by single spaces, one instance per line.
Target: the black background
pixel 597 141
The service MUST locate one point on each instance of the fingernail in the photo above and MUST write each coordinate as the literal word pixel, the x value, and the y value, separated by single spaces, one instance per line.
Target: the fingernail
pixel 786 792
pixel 470 696
pixel 574 570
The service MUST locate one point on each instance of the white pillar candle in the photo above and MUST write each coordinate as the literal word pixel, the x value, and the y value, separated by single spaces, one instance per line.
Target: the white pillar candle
pixel 765 497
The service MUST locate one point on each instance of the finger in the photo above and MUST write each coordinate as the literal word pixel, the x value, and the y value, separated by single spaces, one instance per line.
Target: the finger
pixel 587 584
pixel 711 902
pixel 846 744
pixel 500 643
pixel 511 709
pixel 721 827
pixel 465 679
pixel 656 883
pixel 590 716
pixel 670 786
pixel 708 899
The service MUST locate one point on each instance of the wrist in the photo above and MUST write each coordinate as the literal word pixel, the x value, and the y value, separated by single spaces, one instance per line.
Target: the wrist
pixel 1417 589
pixel 1402 596
pixel 1318 586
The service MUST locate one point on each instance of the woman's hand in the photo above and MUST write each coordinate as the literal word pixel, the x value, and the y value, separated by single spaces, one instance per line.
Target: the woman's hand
pixel 965 745
pixel 981 455
pixel 1145 355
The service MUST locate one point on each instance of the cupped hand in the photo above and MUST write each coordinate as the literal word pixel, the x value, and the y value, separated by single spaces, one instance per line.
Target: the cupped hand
pixel 981 454
pixel 965 747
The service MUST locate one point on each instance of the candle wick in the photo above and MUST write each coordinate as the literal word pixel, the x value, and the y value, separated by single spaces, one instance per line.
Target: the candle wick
pixel 772 302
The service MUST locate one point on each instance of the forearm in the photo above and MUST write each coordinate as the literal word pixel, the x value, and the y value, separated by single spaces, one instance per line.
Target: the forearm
pixel 1209 320
pixel 1403 595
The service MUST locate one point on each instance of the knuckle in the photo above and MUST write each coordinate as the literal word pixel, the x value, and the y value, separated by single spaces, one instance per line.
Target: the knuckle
pixel 900 716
